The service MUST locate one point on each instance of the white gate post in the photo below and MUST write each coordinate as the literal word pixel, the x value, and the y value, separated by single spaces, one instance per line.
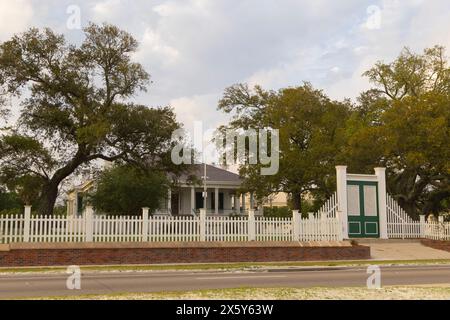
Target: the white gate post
pixel 89 223
pixel 26 226
pixel 341 190
pixel 296 219
pixel 251 225
pixel 145 224
pixel 382 202
pixel 422 225
pixel 203 224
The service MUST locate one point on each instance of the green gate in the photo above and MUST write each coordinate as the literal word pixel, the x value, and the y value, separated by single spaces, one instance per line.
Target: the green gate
pixel 362 208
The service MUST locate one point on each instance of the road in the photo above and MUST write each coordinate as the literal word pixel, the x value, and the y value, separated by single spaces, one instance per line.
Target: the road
pixel 41 285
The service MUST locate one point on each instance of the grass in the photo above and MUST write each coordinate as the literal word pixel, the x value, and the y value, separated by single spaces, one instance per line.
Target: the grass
pixel 223 266
pixel 318 293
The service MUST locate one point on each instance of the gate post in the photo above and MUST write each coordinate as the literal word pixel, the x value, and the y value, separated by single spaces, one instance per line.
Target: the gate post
pixel 145 224
pixel 89 223
pixel 296 219
pixel 251 225
pixel 341 190
pixel 202 224
pixel 382 202
pixel 422 225
pixel 27 222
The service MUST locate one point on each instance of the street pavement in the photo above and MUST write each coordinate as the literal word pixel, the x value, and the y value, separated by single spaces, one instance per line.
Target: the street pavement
pixel 54 284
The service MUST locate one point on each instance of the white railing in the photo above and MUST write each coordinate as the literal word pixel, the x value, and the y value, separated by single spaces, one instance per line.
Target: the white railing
pixel 101 228
pixel 399 223
pixel 330 207
pixel 437 230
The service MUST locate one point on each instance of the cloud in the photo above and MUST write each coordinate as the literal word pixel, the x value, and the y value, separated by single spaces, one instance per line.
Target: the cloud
pixel 15 16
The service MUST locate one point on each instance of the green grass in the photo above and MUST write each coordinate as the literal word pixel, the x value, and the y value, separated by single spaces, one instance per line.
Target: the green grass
pixel 226 266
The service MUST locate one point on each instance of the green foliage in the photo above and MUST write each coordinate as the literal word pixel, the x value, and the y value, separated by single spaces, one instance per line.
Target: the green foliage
pixel 125 190
pixel 77 110
pixel 278 212
pixel 310 128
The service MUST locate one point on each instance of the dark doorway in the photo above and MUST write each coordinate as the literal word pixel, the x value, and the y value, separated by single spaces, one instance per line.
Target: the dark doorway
pixel 175 203
pixel 198 200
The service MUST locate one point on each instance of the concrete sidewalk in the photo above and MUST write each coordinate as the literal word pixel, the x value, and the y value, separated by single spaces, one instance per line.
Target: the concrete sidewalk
pixel 402 250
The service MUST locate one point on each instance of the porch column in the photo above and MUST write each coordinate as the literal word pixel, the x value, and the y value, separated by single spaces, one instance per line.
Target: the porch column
pixel 216 200
pixel 169 201
pixel 252 201
pixel 243 202
pixel 381 177
pixel 192 200
pixel 341 184
pixel 236 203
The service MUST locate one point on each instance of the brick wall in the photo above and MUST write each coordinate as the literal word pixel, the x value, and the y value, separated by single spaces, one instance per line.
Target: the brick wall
pixel 191 253
pixel 436 244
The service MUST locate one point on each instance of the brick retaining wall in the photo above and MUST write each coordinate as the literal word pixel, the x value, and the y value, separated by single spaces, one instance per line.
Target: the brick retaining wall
pixel 437 244
pixel 110 254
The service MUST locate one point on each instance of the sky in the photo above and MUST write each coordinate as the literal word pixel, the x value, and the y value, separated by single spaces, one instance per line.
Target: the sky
pixel 194 49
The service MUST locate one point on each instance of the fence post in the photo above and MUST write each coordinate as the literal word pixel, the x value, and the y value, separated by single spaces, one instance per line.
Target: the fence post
pixel 145 224
pixel 441 227
pixel 422 225
pixel 26 225
pixel 296 219
pixel 89 223
pixel 251 225
pixel 203 224
pixel 310 215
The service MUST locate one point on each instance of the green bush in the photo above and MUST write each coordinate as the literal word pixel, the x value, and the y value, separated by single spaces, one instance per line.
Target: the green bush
pixel 124 190
pixel 280 212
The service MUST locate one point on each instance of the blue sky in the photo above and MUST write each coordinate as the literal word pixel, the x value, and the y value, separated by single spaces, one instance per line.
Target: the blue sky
pixel 193 49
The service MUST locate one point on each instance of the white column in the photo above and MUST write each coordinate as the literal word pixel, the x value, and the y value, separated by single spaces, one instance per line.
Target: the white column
pixel 192 199
pixel 202 224
pixel 296 219
pixel 27 221
pixel 236 203
pixel 422 225
pixel 252 201
pixel 145 224
pixel 251 225
pixel 243 202
pixel 169 200
pixel 216 200
pixel 381 178
pixel 89 224
pixel 341 189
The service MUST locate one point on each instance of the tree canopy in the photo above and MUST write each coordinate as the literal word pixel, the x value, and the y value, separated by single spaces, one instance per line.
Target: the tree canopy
pixel 75 109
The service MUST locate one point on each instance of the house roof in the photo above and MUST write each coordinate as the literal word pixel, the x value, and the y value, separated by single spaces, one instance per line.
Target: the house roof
pixel 213 174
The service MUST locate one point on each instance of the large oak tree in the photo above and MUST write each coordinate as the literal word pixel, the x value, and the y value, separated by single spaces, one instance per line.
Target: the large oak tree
pixel 75 109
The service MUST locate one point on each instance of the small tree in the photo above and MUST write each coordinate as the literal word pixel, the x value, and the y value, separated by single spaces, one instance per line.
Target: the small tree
pixel 125 190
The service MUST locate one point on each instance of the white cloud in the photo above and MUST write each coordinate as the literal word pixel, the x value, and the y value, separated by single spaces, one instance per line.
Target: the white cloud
pixel 15 16
pixel 105 10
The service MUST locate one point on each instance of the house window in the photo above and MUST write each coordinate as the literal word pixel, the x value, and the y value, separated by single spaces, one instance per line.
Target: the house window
pixel 198 200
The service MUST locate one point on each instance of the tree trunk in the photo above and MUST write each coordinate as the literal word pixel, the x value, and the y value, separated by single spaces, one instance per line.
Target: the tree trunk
pixel 297 201
pixel 48 198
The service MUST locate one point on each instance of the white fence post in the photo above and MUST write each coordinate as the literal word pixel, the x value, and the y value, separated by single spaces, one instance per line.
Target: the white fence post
pixel 251 225
pixel 27 222
pixel 441 228
pixel 310 215
pixel 145 224
pixel 89 223
pixel 296 220
pixel 422 226
pixel 203 224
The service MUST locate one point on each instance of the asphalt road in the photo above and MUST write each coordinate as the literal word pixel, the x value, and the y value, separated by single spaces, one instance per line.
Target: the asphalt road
pixel 41 285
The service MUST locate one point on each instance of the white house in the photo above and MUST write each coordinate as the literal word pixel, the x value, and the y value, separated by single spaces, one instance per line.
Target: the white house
pixel 186 198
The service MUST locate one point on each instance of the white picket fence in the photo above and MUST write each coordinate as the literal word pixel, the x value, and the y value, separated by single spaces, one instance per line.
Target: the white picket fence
pixel 399 223
pixel 100 228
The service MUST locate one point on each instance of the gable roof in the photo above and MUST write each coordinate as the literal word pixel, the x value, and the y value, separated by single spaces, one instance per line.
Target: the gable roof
pixel 213 174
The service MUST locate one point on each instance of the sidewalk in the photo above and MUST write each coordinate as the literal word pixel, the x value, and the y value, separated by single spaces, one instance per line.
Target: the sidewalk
pixel 402 250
